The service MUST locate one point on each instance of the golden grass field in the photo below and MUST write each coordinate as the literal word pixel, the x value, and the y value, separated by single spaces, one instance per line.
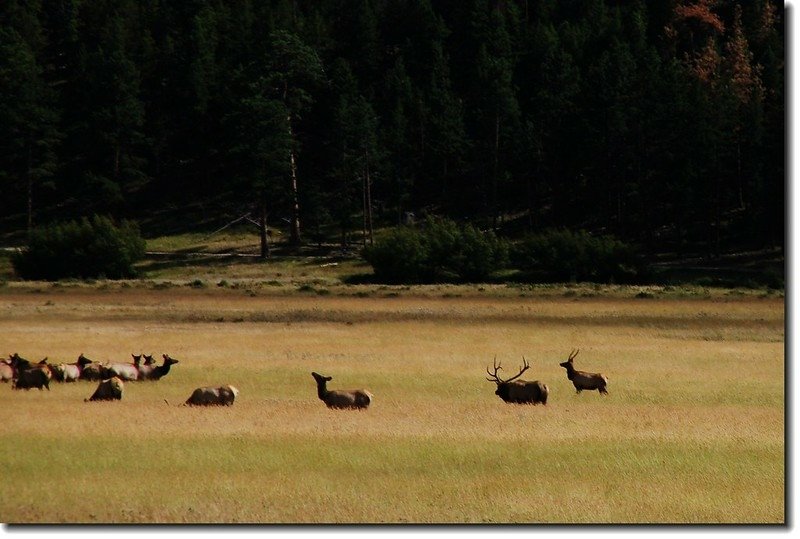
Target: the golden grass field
pixel 693 430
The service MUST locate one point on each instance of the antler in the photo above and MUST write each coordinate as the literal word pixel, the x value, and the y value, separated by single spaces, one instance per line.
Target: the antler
pixel 573 354
pixel 525 367
pixel 494 377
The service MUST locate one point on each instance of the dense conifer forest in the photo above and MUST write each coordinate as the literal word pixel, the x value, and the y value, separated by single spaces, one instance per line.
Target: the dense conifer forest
pixel 658 122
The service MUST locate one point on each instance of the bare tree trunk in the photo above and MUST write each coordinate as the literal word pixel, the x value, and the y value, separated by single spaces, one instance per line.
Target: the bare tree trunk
pixel 369 200
pixel 495 169
pixel 364 210
pixel 262 228
pixel 30 189
pixel 295 221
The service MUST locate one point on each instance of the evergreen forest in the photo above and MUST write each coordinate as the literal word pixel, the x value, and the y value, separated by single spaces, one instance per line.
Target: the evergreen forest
pixel 658 122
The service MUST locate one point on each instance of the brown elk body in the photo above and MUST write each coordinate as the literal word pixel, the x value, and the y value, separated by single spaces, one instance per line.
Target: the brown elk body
pixel 519 391
pixel 341 398
pixel 29 375
pixel 584 380
pixel 213 396
pixel 108 390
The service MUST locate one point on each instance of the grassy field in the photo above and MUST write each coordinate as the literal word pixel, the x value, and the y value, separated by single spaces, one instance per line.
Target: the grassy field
pixel 692 431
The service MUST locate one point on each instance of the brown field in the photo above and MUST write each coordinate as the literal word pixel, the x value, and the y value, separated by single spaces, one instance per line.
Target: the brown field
pixel 693 430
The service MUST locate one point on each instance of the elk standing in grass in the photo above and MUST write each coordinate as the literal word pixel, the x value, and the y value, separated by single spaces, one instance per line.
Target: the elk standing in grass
pixel 29 375
pixel 584 380
pixel 341 398
pixel 519 391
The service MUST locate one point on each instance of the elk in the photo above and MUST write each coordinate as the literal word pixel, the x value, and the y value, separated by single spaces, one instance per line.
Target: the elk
pixel 584 380
pixel 108 390
pixel 91 370
pixel 211 396
pixel 30 374
pixel 70 372
pixel 518 391
pixel 127 371
pixel 341 398
pixel 161 370
pixel 6 371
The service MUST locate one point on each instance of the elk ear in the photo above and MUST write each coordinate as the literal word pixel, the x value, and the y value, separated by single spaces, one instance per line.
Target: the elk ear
pixel 328 378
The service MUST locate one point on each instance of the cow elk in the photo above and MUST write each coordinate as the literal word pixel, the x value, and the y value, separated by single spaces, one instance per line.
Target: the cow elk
pixel 91 370
pixel 584 380
pixel 30 375
pixel 6 371
pixel 108 390
pixel 126 371
pixel 162 370
pixel 341 398
pixel 518 391
pixel 70 372
pixel 213 396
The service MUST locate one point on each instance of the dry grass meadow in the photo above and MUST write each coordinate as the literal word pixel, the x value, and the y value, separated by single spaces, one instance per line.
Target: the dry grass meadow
pixel 693 430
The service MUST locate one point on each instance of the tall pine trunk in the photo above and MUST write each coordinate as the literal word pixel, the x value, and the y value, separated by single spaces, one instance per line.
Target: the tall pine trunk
pixel 294 233
pixel 495 169
pixel 368 195
pixel 29 178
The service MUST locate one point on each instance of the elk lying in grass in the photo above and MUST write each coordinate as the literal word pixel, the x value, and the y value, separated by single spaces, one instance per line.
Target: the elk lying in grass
pixel 584 380
pixel 518 391
pixel 91 370
pixel 213 396
pixel 108 390
pixel 341 398
pixel 156 373
pixel 6 371
pixel 70 372
pixel 127 371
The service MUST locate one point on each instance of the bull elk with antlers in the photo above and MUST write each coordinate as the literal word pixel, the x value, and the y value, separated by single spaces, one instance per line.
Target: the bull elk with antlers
pixel 584 380
pixel 518 391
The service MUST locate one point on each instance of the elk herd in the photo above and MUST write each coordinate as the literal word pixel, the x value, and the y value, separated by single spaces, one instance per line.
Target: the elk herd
pixel 24 374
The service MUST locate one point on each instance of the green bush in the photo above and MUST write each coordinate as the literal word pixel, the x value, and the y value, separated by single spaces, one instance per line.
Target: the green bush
pixel 398 257
pixel 89 248
pixel 441 250
pixel 564 255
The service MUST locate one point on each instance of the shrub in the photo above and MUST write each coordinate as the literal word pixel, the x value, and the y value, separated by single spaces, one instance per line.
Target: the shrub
pixel 400 256
pixel 439 251
pixel 563 255
pixel 89 248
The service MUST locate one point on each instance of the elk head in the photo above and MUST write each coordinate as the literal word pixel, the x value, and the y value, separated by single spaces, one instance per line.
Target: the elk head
pixel 568 363
pixel 502 385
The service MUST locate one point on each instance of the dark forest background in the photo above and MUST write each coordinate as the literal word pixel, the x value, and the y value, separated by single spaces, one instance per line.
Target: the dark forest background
pixel 659 122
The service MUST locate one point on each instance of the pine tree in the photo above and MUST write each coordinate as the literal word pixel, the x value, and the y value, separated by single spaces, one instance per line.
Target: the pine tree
pixel 292 70
pixel 28 133
pixel 496 111
pixel 447 139
pixel 260 148
pixel 354 134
